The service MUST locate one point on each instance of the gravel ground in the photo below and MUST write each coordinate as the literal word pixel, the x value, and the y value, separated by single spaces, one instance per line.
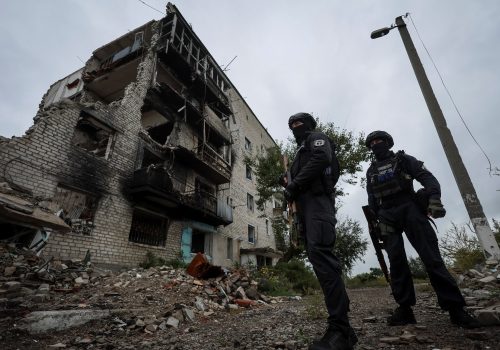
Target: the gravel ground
pixel 290 324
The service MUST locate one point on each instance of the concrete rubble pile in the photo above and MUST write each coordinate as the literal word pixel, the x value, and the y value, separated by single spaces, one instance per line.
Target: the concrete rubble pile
pixel 27 279
pixel 56 295
pixel 481 289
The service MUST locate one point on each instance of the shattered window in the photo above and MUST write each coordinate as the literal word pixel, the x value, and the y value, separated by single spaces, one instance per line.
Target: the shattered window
pixel 250 203
pixel 93 136
pixel 148 228
pixel 78 207
pixel 249 172
pixel 251 234
pixel 248 144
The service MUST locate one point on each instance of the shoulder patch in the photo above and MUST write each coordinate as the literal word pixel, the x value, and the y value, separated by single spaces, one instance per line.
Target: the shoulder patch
pixel 318 143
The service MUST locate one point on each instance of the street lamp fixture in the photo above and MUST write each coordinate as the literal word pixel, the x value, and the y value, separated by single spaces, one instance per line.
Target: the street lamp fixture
pixel 381 32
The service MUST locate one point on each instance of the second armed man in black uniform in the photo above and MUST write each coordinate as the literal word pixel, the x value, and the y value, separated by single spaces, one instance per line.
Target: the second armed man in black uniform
pixel 392 198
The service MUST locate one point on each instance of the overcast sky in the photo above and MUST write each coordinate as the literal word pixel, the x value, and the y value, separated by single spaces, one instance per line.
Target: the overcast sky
pixel 314 56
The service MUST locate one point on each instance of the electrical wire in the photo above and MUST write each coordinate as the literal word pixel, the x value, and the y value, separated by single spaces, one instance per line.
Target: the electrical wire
pixel 449 94
pixel 151 7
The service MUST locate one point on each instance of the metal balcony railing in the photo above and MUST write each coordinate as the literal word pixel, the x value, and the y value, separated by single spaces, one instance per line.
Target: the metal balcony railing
pixel 209 156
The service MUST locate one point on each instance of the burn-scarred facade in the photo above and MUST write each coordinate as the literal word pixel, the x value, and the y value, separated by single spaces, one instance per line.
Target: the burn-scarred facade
pixel 142 150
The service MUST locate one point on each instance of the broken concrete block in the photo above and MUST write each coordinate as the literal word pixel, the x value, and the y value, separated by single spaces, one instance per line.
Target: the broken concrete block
pixel 9 271
pixel 489 316
pixel 42 321
pixel 12 285
pixel 150 328
pixel 43 288
pixel 487 279
pixel 189 314
pixel 173 322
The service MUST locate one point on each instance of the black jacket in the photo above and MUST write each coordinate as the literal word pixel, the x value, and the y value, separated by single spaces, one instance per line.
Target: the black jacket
pixel 313 157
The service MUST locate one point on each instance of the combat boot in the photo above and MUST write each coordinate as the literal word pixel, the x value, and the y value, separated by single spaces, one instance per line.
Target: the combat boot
pixel 403 315
pixel 463 319
pixel 333 339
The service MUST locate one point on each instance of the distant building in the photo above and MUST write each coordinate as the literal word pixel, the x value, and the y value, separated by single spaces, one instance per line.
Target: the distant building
pixel 143 150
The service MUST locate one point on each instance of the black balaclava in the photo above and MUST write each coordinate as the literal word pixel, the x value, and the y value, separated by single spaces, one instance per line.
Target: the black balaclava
pixel 381 150
pixel 300 132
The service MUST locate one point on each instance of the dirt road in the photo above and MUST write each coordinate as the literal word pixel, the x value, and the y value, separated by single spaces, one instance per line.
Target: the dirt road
pixel 290 324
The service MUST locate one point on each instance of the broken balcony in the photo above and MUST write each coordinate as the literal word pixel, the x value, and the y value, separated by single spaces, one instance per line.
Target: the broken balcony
pixel 213 134
pixel 153 185
pixel 114 66
pixel 181 49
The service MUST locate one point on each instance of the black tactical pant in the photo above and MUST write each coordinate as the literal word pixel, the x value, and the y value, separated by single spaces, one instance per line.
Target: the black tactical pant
pixel 408 218
pixel 318 219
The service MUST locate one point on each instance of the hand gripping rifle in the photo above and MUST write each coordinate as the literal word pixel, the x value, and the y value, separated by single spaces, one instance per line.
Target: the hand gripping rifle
pixel 377 244
pixel 293 216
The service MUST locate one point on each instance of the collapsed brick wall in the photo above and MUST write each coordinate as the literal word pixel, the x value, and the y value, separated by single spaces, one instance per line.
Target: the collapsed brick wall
pixel 44 158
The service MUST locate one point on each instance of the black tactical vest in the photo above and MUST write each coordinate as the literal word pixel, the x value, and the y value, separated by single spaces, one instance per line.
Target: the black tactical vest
pixel 388 178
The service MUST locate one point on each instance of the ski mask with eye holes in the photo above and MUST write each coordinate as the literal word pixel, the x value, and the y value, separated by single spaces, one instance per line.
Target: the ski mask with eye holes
pixel 381 150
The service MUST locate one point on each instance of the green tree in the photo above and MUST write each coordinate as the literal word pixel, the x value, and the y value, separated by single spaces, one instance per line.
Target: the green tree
pixel 350 245
pixel 417 268
pixel 496 230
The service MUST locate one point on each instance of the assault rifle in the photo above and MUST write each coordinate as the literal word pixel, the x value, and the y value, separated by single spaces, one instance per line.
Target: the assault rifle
pixel 377 244
pixel 293 216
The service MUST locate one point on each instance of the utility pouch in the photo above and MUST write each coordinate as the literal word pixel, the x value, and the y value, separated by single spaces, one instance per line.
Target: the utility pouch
pixel 385 229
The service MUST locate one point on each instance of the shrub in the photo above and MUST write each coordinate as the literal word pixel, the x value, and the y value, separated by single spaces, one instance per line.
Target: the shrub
pixel 286 278
pixel 152 260
pixel 460 249
pixel 465 259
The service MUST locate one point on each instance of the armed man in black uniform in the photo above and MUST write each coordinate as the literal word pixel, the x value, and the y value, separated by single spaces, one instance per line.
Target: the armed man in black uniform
pixel 314 173
pixel 392 198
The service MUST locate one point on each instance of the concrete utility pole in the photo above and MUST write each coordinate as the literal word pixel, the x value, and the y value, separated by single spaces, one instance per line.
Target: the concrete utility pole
pixel 471 201
pixel 464 183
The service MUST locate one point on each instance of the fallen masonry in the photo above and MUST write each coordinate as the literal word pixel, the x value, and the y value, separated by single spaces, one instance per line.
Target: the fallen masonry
pixel 59 294
pixel 75 304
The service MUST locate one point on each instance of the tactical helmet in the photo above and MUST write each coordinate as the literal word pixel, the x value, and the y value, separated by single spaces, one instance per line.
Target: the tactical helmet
pixel 382 135
pixel 302 116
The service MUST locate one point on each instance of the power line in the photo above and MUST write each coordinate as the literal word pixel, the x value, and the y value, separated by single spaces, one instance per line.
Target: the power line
pixel 151 7
pixel 449 94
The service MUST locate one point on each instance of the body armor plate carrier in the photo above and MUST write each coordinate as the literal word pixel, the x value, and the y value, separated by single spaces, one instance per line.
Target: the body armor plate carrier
pixel 389 179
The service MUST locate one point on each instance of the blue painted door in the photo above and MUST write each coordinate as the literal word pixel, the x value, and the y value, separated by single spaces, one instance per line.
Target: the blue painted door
pixel 186 240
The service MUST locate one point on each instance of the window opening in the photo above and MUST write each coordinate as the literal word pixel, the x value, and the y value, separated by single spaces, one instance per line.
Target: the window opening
pixel 148 228
pixel 93 136
pixel 250 204
pixel 78 207
pixel 249 172
pixel 251 234
pixel 248 144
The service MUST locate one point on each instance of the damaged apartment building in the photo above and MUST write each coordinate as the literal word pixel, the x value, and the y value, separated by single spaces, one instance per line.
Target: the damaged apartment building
pixel 142 150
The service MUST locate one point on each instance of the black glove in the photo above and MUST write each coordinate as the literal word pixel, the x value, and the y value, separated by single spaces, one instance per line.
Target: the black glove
pixel 435 208
pixel 290 192
pixel 281 180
